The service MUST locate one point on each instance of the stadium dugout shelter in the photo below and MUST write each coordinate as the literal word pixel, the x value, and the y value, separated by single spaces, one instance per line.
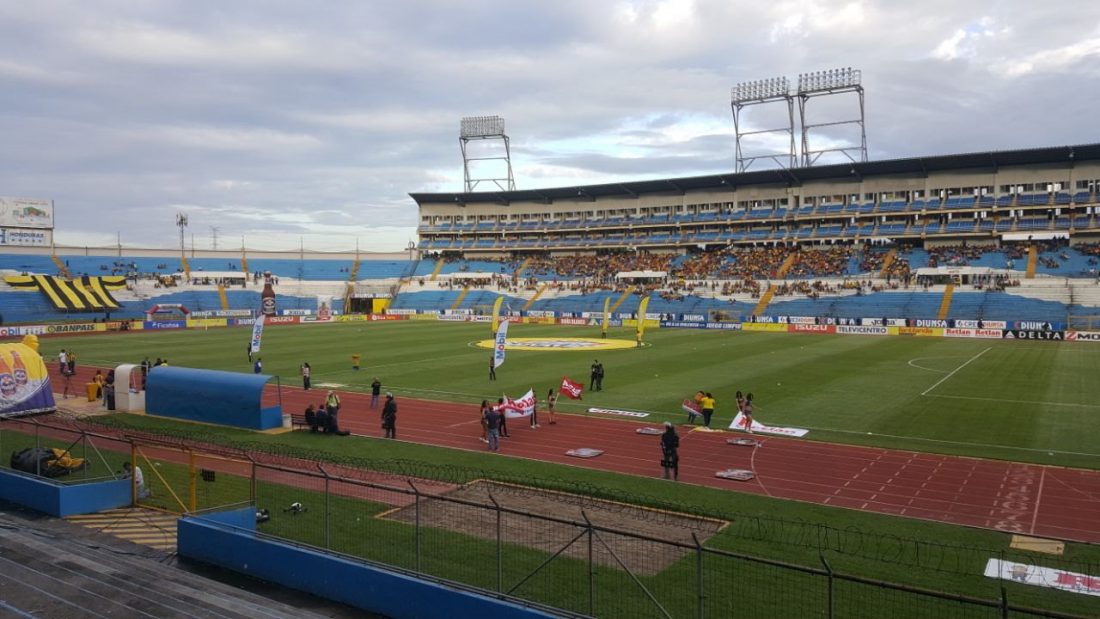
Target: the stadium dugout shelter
pixel 212 396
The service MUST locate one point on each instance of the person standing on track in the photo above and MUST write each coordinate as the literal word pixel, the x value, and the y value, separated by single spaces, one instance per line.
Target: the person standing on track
pixel 389 416
pixel 551 402
pixel 503 418
pixel 493 421
pixel 375 392
pixel 706 407
pixel 484 414
pixel 332 403
pixel 670 452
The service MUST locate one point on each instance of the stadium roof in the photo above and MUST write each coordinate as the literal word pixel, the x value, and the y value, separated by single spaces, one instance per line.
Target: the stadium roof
pixel 991 160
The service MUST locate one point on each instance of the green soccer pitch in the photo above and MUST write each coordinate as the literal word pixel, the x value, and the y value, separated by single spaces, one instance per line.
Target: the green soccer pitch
pixel 1014 400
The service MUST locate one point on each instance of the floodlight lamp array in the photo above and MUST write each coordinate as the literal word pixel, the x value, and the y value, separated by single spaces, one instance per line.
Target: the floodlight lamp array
pixel 481 126
pixel 831 79
pixel 761 89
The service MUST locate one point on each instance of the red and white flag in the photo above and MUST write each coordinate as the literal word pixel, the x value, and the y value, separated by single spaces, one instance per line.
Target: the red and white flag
pixel 572 390
pixel 522 407
pixel 692 408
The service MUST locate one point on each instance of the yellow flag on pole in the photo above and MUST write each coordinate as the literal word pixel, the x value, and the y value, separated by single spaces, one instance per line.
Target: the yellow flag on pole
pixel 641 318
pixel 496 313
pixel 606 316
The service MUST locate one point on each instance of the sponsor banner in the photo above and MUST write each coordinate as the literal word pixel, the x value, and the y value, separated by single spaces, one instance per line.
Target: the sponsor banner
pixel 541 313
pixel 164 324
pixel 400 312
pixel 296 312
pixel 1036 325
pixel 801 320
pixel 242 322
pixel 811 328
pixel 77 328
pixel 861 330
pixel 1020 334
pixel 1043 577
pixel 981 333
pixel 615 411
pixel 206 322
pixel 350 318
pixel 499 343
pixel 282 320
pixel 729 326
pixel 377 317
pixel 427 316
pixel 756 326
pixel 768 319
pixel 693 318
pixel 1083 336
pixel 572 390
pixel 464 318
pixel 538 320
pixel 740 422
pixel 985 324
pixel 580 322
pixel 676 324
pixel 26 213
pixel 930 323
pixel 921 331
pixel 232 313
pixel 522 407
pixel 257 335
pixel 25 238
pixel 24 382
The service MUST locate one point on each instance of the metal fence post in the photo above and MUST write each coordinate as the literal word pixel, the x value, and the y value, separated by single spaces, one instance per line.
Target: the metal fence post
pixel 500 546
pixel 328 508
pixel 829 569
pixel 416 511
pixel 591 567
pixel 1004 603
pixel 699 575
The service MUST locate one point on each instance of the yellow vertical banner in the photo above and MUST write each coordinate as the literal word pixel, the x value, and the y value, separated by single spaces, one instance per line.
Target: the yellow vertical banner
pixel 606 316
pixel 496 313
pixel 641 318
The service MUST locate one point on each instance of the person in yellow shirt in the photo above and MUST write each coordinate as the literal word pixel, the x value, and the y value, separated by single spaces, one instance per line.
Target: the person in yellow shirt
pixel 706 406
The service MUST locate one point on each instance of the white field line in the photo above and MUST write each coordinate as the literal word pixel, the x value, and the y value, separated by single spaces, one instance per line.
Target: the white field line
pixel 967 397
pixel 953 372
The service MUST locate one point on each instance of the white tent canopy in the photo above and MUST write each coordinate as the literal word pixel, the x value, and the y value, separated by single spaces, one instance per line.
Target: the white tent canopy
pixel 479 275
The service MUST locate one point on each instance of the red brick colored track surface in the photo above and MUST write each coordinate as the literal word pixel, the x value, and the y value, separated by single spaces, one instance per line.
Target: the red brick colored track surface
pixel 1029 499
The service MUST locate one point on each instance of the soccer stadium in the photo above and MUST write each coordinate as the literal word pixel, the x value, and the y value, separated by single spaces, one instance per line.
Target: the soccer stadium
pixel 917 339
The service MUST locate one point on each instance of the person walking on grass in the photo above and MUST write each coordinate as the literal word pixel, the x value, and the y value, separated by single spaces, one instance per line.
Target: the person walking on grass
pixel 492 368
pixel 670 452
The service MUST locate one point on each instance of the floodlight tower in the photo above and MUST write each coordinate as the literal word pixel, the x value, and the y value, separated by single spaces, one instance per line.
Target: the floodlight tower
pixel 825 83
pixel 759 92
pixel 181 222
pixel 485 128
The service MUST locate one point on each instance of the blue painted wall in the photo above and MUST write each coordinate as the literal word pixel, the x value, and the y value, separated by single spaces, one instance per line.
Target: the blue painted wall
pixel 60 500
pixel 235 547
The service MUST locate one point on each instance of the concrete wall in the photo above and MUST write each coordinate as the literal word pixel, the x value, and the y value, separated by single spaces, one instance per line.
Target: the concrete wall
pixel 228 539
pixel 61 500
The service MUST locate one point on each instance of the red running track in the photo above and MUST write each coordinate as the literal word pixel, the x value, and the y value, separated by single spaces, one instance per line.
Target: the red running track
pixel 1029 499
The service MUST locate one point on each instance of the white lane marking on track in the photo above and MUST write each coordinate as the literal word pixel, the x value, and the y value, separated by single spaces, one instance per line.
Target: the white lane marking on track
pixel 1038 499
pixel 955 371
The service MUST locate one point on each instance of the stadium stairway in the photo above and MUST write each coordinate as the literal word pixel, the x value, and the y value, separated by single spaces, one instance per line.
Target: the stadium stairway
pixel 787 264
pixel 244 265
pixel 462 295
pixel 888 261
pixel 438 269
pixel 626 295
pixel 538 293
pixel 61 267
pixel 354 270
pixel 945 304
pixel 1032 261
pixel 221 295
pixel 766 298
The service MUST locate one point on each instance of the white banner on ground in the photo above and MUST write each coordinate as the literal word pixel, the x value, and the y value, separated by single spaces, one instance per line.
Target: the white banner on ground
pixel 739 422
pixel 1043 577
pixel 615 411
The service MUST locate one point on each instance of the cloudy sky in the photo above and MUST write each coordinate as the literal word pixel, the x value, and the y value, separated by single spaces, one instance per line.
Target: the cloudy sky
pixel 283 121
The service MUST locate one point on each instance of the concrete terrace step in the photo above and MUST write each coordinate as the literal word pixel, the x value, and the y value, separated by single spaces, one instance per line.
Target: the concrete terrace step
pixel 52 568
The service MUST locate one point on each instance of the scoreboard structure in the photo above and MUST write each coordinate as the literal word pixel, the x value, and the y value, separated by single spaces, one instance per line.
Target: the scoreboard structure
pixel 26 222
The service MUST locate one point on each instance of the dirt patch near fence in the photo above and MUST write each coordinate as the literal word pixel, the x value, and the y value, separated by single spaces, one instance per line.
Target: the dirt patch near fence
pixel 645 541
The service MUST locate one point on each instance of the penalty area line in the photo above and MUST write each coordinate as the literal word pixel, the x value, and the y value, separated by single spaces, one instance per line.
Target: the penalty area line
pixel 953 372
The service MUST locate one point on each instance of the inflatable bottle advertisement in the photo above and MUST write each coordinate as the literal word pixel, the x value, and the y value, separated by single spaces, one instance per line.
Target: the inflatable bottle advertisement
pixel 24 382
